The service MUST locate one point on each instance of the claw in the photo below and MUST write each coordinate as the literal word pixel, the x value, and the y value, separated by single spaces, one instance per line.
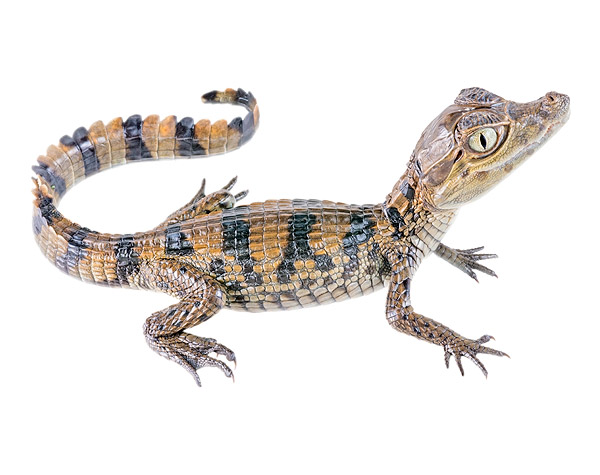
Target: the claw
pixel 202 188
pixel 459 363
pixel 471 274
pixel 447 356
pixel 477 363
pixel 473 250
pixel 484 339
pixel 200 194
pixel 241 195
pixel 469 348
pixel 485 270
pixel 491 351
pixel 482 257
pixel 231 184
pixel 223 367
pixel 192 352
pixel 467 260
pixel 190 367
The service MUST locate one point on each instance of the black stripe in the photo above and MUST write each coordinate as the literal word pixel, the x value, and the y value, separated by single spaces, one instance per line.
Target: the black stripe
pixel 210 96
pixel 247 128
pixel 408 191
pixel 76 247
pixel 298 247
pixel 360 233
pixel 132 132
pixel 48 210
pixel 88 151
pixel 67 142
pixel 236 236
pixel 236 242
pixel 128 261
pixel 246 99
pixel 56 182
pixel 184 134
pixel 217 267
pixel 241 97
pixel 396 219
pixel 237 124
pixel 176 243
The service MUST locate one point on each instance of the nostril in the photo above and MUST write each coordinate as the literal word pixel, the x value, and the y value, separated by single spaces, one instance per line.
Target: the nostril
pixel 551 97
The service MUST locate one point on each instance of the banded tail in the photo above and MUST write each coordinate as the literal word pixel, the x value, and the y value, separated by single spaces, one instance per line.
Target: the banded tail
pixel 103 258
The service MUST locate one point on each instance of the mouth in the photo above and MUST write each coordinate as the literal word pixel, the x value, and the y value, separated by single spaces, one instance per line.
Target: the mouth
pixel 562 105
pixel 562 114
pixel 556 105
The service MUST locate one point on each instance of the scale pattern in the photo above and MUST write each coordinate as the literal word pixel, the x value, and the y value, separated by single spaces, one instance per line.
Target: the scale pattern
pixel 275 255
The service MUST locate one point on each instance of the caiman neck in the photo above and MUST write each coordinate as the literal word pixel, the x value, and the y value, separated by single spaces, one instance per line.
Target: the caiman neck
pixel 408 192
pixel 408 206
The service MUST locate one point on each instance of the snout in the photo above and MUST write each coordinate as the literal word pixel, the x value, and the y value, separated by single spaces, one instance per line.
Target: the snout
pixel 555 108
pixel 550 109
pixel 559 103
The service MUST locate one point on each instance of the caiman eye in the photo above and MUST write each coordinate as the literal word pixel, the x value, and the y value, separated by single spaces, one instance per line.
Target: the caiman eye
pixel 483 140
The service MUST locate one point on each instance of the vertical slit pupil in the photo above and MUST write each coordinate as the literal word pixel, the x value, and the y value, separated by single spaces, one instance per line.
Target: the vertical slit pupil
pixel 483 141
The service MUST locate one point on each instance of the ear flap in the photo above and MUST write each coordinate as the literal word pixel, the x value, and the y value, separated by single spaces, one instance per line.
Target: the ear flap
pixel 477 96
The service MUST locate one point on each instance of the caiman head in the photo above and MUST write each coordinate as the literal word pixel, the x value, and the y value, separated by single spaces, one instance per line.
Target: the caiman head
pixel 478 141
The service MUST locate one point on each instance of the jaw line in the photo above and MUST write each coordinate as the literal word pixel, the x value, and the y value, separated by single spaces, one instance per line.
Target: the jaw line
pixel 534 146
pixel 522 155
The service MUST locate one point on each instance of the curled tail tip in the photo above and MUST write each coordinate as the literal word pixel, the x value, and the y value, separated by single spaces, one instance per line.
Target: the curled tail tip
pixel 211 96
pixel 230 96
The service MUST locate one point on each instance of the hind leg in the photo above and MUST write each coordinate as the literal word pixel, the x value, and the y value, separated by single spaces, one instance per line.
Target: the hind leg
pixel 200 298
pixel 202 204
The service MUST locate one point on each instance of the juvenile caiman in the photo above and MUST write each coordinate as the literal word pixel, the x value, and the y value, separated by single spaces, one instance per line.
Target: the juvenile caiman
pixel 284 254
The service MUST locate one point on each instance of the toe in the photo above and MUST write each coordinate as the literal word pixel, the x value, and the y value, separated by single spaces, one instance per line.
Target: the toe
pixel 459 363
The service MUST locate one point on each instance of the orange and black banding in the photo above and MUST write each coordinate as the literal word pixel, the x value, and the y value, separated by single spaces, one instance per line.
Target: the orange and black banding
pixel 282 254
pixel 290 253
pixel 88 151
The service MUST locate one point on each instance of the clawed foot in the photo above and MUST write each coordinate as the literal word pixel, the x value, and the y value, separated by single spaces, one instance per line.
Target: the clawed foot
pixel 466 260
pixel 460 346
pixel 202 204
pixel 192 352
pixel 221 199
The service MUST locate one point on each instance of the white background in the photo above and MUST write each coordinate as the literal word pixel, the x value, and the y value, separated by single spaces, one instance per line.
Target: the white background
pixel 345 91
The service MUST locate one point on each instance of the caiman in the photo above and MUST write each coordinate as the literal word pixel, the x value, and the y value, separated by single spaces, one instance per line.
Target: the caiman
pixel 284 254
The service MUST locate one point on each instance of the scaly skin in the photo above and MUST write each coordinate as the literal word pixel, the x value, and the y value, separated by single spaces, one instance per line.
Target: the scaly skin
pixel 284 254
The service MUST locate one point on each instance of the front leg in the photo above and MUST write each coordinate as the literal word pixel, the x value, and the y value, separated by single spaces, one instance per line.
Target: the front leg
pixel 466 259
pixel 402 317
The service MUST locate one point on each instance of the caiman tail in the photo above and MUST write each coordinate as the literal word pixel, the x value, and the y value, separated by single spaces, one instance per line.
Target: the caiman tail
pixel 104 258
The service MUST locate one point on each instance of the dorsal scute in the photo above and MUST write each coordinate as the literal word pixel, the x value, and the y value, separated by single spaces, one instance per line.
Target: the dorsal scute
pixel 477 96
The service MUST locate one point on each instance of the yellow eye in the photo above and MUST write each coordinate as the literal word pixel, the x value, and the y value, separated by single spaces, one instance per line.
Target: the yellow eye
pixel 483 140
